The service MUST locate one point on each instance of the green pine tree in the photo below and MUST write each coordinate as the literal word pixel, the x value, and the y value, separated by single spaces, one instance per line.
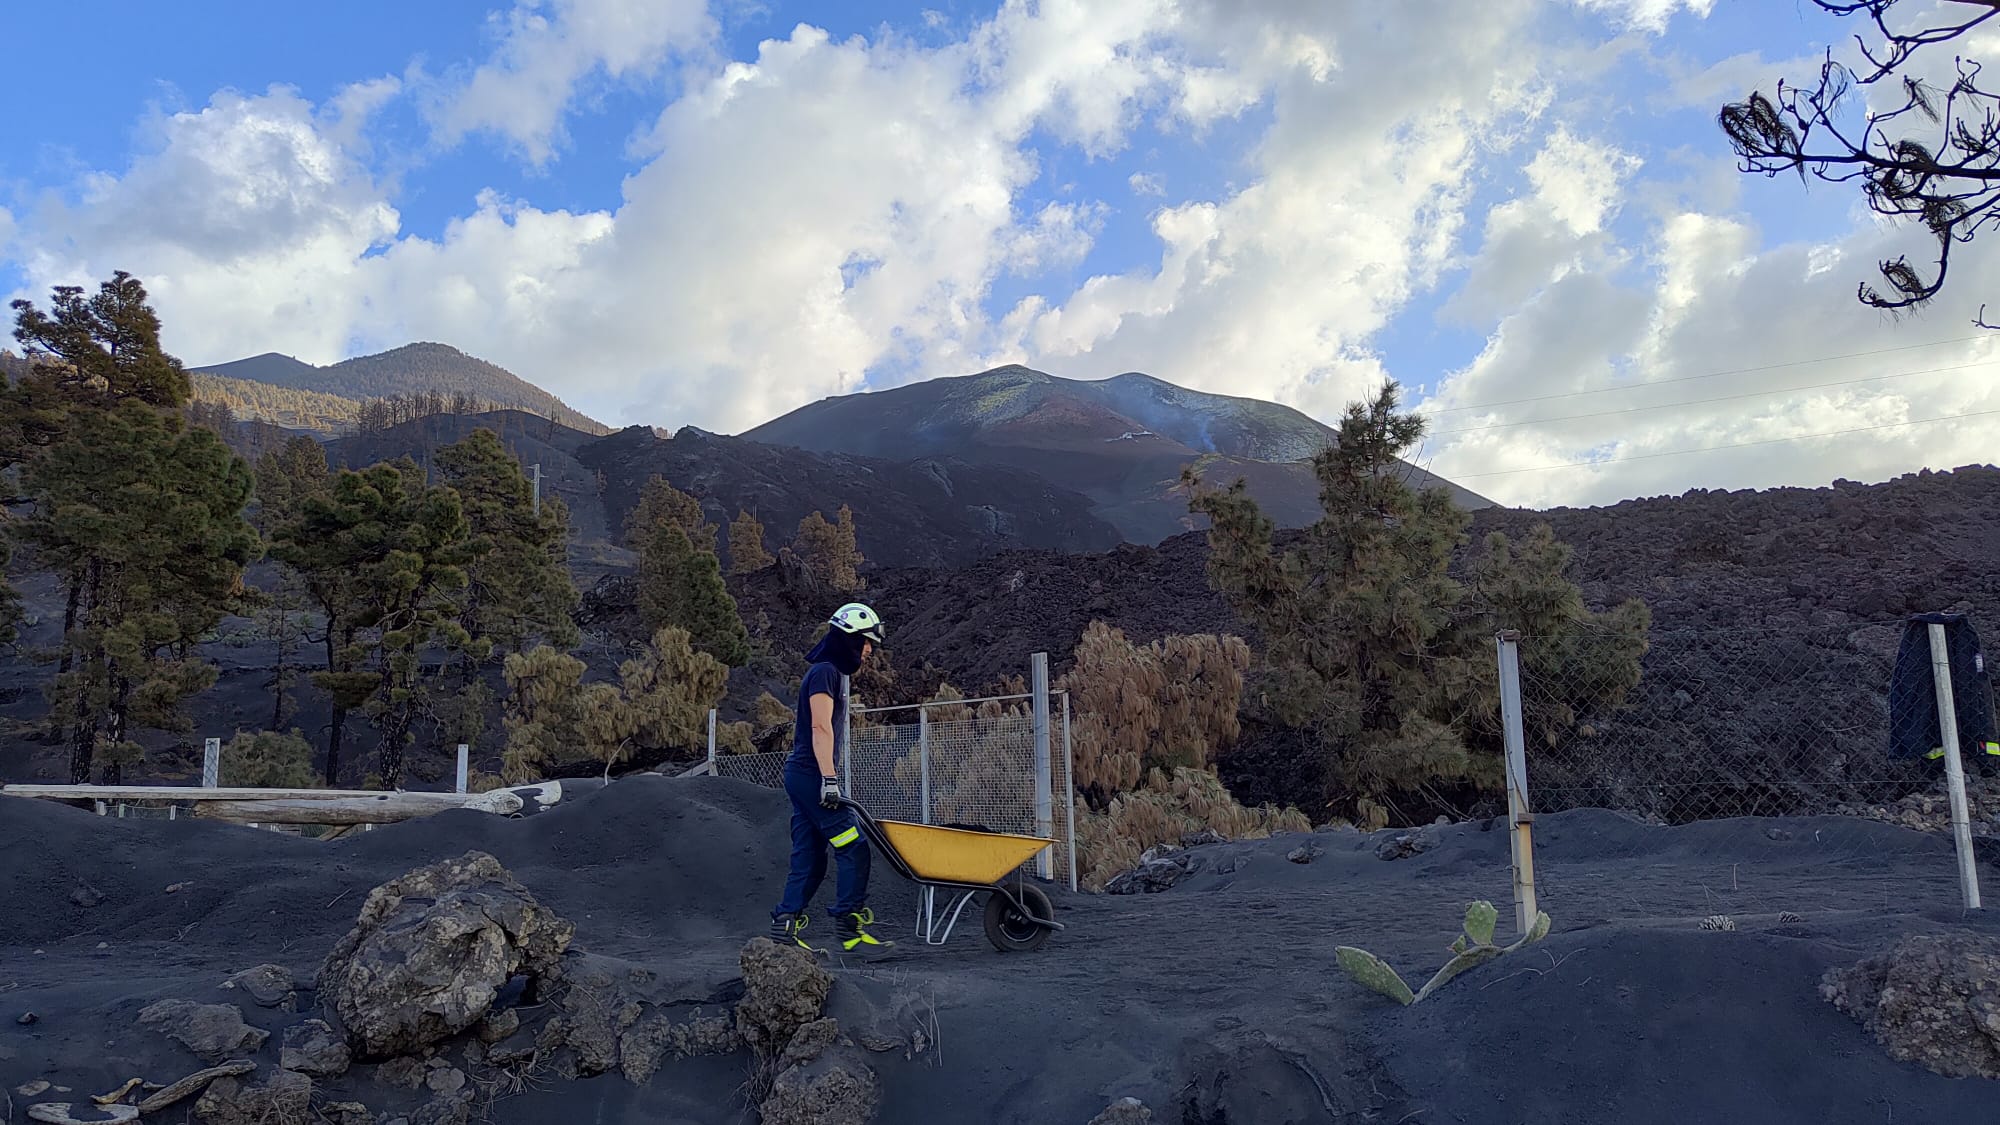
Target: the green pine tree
pixel 747 553
pixel 660 502
pixel 382 557
pixel 520 590
pixel 681 586
pixel 1372 650
pixel 139 514
pixel 146 515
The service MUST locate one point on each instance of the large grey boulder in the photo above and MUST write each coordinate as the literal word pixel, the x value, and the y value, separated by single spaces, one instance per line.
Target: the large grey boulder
pixel 431 951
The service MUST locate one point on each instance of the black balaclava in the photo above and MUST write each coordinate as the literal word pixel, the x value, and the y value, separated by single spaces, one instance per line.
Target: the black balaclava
pixel 842 650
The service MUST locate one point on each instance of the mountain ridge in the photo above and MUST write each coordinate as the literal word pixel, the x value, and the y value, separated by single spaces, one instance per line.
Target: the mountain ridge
pixel 423 367
pixel 1122 441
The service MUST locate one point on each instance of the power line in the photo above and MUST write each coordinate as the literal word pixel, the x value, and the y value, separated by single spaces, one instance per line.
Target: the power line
pixel 1718 398
pixel 1713 448
pixel 1710 375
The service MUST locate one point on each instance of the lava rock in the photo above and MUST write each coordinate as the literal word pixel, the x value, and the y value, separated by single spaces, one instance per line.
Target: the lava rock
pixel 269 985
pixel 598 1010
pixel 497 1026
pixel 784 989
pixel 1403 845
pixel 86 897
pixel 214 1032
pixel 1159 869
pixel 315 1048
pixel 1203 838
pixel 1934 1000
pixel 286 1096
pixel 1306 852
pixel 1124 1111
pixel 658 1038
pixel 431 952
pixel 822 1080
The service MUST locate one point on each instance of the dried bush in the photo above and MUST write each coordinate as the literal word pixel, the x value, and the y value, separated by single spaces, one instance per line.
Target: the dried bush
pixel 1167 808
pixel 268 759
pixel 1170 704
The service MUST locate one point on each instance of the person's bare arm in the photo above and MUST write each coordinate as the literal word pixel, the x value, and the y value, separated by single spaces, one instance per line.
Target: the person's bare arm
pixel 822 720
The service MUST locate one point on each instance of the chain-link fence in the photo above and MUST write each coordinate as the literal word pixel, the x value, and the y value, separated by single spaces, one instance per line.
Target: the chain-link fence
pixel 1656 781
pixel 965 764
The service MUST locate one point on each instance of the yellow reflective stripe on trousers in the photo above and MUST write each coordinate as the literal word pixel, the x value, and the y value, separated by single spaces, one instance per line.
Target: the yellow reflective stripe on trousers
pixel 847 837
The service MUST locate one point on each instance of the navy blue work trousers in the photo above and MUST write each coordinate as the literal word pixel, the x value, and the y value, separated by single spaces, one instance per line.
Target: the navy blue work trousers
pixel 814 830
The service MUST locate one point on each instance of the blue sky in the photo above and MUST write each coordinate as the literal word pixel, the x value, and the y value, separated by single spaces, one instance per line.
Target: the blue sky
pixel 678 211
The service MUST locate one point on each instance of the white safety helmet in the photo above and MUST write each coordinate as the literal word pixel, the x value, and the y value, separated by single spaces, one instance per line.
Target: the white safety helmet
pixel 857 618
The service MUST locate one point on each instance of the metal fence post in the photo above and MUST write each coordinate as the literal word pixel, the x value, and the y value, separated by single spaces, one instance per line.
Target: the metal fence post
pixel 1069 789
pixel 211 763
pixel 924 763
pixel 842 745
pixel 1044 789
pixel 1954 769
pixel 464 760
pixel 1520 813
pixel 711 741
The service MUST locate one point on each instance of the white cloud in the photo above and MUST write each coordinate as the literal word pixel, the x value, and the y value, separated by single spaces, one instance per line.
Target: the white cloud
pixel 832 212
pixel 1647 15
pixel 1708 353
pixel 547 48
pixel 1380 115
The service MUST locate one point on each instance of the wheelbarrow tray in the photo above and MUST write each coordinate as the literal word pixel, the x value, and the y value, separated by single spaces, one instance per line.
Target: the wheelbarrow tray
pixel 957 856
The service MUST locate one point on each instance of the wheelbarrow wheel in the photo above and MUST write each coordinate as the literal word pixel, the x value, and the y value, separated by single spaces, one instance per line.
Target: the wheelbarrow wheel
pixel 1009 930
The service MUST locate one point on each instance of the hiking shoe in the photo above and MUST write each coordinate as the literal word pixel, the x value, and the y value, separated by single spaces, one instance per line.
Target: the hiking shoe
pixel 790 929
pixel 852 930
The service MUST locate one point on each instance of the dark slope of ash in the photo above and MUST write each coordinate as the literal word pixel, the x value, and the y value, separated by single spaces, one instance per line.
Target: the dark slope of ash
pixel 1217 1000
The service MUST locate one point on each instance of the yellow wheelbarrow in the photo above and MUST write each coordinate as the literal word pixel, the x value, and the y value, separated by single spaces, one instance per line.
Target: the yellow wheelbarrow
pixel 964 863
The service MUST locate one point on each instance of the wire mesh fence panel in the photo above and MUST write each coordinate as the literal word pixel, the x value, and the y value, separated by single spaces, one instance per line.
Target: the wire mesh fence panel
pixel 947 764
pixel 758 769
pixel 1745 773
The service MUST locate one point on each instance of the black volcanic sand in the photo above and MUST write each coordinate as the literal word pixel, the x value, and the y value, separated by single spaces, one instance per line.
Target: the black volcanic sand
pixel 1221 991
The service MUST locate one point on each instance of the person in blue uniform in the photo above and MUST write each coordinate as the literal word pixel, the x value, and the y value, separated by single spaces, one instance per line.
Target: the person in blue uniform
pixel 812 781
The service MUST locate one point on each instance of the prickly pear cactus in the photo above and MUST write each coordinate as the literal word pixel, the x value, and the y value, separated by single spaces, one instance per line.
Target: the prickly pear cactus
pixel 1480 918
pixel 1470 959
pixel 1472 948
pixel 1535 933
pixel 1375 973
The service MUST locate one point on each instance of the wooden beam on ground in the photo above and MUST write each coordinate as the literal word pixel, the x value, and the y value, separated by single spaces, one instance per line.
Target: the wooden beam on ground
pixel 306 806
pixel 382 808
pixel 184 793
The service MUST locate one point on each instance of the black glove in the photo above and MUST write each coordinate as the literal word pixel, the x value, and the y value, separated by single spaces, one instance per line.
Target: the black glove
pixel 829 792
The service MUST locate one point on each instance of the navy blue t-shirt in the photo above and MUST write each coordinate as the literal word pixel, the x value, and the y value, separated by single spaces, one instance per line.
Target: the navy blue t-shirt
pixel 821 679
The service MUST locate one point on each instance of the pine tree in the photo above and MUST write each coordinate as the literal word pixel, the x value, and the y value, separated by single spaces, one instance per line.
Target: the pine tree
pixel 139 513
pixel 287 477
pixel 681 586
pixel 520 590
pixel 824 558
pixel 145 517
pixel 661 701
pixel 660 502
pixel 105 347
pixel 1373 652
pixel 380 557
pixel 747 554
